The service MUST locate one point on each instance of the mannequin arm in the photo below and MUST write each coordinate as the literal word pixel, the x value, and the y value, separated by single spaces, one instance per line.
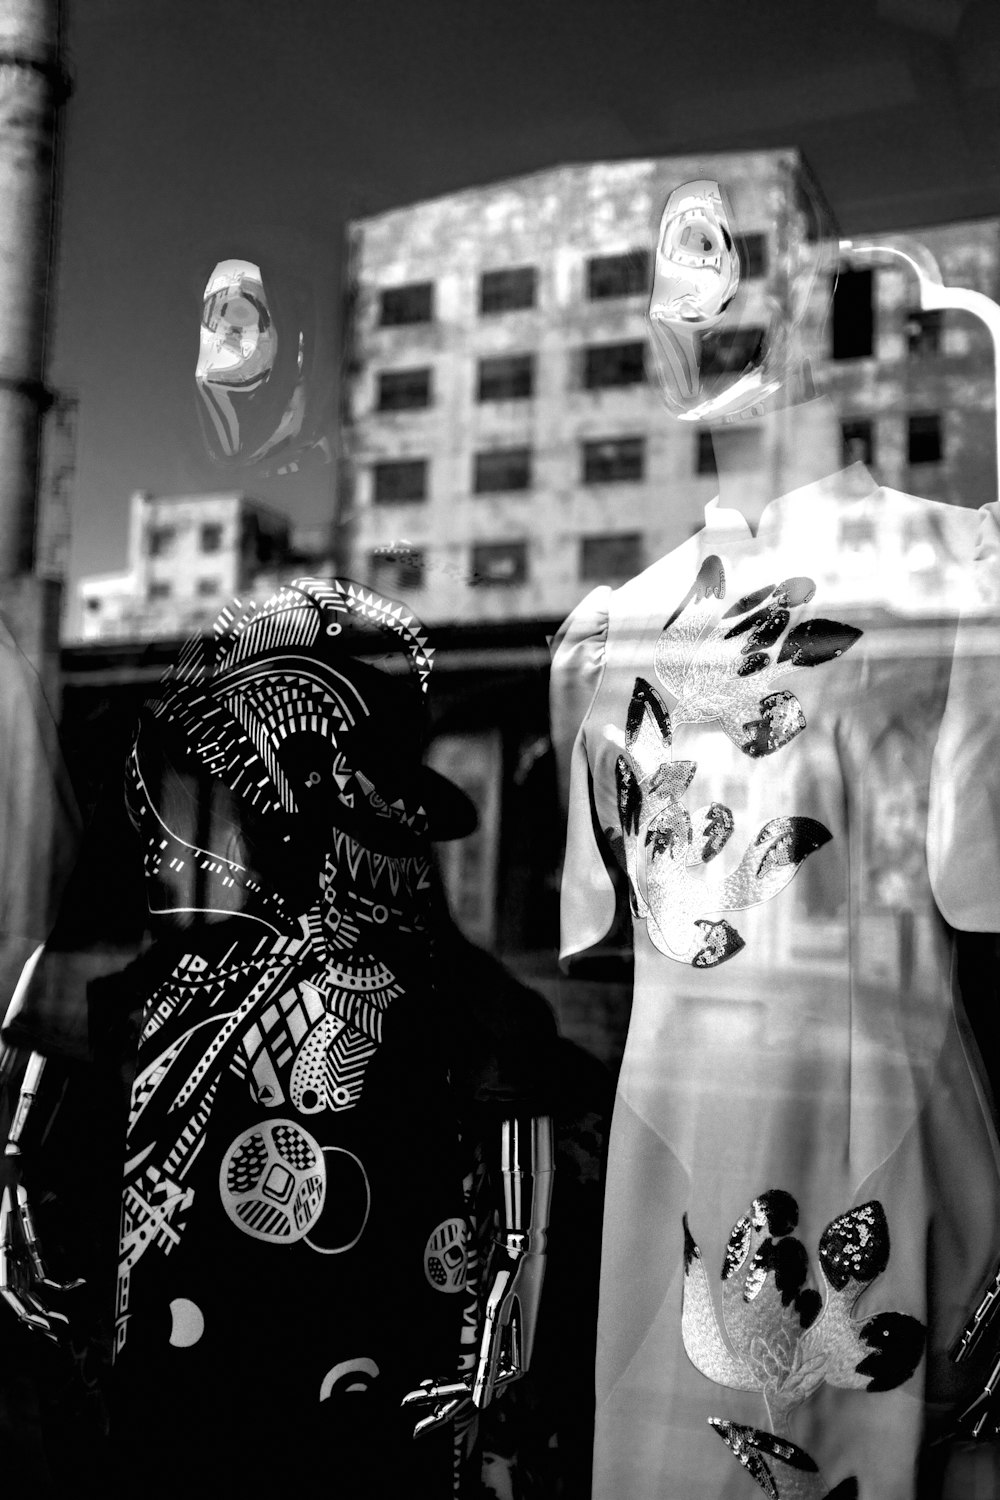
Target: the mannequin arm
pixel 23 1273
pixel 517 1270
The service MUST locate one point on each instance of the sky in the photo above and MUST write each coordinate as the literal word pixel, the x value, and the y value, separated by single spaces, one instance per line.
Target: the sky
pixel 198 125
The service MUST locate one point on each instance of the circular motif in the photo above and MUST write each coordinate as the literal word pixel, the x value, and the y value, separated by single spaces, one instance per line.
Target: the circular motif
pixel 272 1182
pixel 444 1256
pixel 380 913
pixel 348 1203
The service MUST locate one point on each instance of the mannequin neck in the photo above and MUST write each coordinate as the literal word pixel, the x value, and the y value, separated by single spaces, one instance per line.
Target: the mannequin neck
pixel 781 450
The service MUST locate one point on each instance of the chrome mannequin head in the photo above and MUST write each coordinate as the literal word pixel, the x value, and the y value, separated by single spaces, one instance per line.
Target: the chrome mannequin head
pixel 716 358
pixel 264 373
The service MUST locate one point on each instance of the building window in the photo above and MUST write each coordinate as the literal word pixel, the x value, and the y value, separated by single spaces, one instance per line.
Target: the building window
pixel 159 589
pixel 399 305
pixel 511 377
pixel 397 569
pixel 613 460
pixel 754 249
pixel 923 332
pixel 853 315
pixel 704 455
pixel 731 350
pixel 507 291
pixel 404 390
pixel 617 275
pixel 503 563
pixel 208 587
pixel 924 439
pixel 613 364
pixel 857 442
pixel 614 556
pixel 502 469
pixel 210 539
pixel 399 481
pixel 161 539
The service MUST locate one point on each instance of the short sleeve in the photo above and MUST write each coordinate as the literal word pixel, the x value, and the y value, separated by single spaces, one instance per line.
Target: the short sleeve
pixel 963 826
pixel 588 902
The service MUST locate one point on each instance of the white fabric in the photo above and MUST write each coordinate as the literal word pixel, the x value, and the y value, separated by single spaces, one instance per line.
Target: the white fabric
pixel 825 1058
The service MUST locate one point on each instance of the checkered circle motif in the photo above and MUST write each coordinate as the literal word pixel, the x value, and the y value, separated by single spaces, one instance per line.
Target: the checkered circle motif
pixel 272 1182
pixel 444 1256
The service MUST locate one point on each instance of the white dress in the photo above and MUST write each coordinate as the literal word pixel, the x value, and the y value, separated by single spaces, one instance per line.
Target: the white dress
pixel 790 744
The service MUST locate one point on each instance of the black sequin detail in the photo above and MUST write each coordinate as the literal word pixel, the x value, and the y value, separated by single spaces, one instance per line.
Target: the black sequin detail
pixel 721 941
pixel 788 841
pixel 645 695
pixel 855 1246
pixel 897 1343
pixel 629 796
pixel 781 719
pixel 817 641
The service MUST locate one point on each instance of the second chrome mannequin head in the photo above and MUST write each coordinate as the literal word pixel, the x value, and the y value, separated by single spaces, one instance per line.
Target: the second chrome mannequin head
pixel 717 359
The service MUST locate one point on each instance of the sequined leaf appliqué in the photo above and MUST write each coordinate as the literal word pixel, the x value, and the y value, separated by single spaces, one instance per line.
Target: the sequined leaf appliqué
pixel 782 1337
pixel 663 844
pixel 783 1470
pixel 722 665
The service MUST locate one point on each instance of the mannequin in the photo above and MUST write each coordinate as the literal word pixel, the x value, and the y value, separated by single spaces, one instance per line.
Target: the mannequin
pixel 279 1247
pixel 781 767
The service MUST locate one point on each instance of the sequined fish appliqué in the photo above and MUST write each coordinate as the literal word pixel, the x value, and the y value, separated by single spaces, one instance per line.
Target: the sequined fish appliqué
pixel 722 665
pixel 663 845
pixel 784 1338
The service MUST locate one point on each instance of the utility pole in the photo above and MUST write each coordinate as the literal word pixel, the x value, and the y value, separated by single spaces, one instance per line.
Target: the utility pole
pixel 35 829
pixel 32 89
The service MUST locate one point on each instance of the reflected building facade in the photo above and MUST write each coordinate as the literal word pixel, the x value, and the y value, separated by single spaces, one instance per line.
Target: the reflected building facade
pixel 502 449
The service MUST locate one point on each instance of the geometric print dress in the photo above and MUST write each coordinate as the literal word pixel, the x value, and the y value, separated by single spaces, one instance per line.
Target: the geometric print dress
pixel 784 747
pixel 295 1252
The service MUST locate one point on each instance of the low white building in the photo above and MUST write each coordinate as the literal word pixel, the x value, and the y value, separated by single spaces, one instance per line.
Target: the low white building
pixel 186 555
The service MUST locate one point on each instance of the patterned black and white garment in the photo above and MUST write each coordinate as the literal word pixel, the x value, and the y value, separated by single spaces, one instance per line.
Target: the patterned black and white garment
pixel 294 1249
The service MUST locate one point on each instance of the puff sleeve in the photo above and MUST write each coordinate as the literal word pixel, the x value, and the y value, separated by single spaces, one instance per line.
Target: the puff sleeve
pixel 588 901
pixel 963 827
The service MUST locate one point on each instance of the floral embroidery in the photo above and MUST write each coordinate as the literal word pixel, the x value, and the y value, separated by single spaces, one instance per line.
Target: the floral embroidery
pixel 720 666
pixel 784 1338
pixel 663 844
